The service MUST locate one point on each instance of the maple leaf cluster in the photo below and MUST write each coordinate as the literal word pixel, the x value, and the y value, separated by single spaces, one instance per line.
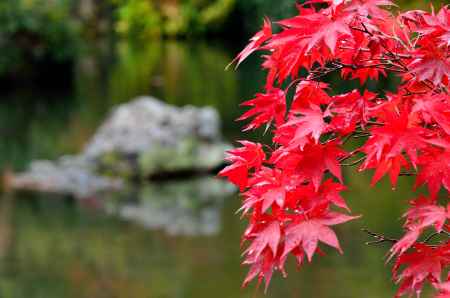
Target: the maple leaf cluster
pixel 292 188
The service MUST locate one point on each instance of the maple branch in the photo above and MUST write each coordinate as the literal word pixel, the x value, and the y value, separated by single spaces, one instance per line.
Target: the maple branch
pixel 383 66
pixel 392 55
pixel 354 163
pixel 361 30
pixel 367 50
pixel 321 72
pixel 380 238
pixel 350 155
pixel 315 74
pixel 412 93
pixel 366 30
pixel 407 174
pixel 363 135
pixel 355 135
pixel 430 237
pixel 293 83
pixel 375 123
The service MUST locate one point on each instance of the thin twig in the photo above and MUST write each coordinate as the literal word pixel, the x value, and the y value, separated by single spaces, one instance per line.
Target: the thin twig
pixel 407 174
pixel 354 163
pixel 364 135
pixel 430 237
pixel 375 123
pixel 348 156
pixel 380 238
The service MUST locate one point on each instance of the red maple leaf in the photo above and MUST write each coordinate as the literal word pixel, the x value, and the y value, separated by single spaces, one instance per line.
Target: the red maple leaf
pixel 309 198
pixel 311 163
pixel 406 242
pixel 308 233
pixel 425 213
pixel 298 129
pixel 269 238
pixel 261 268
pixel 370 7
pixel 266 107
pixel 422 264
pixel 431 64
pixel 388 143
pixel 243 159
pixel 434 170
pixel 255 42
pixel 351 109
pixel 309 93
pixel 434 109
pixel 261 253
pixel 269 187
pixel 354 56
pixel 432 26
pixel 444 289
pixel 330 26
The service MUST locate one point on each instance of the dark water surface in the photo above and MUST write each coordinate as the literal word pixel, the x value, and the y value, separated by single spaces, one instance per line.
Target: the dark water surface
pixel 177 239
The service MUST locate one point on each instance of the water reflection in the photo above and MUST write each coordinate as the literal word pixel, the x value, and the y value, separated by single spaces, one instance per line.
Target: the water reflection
pixel 187 207
pixel 152 242
pixel 6 204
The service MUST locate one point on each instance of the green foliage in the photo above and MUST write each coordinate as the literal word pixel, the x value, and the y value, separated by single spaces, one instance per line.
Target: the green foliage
pixel 149 18
pixel 421 4
pixel 138 18
pixel 252 12
pixel 216 13
pixel 35 30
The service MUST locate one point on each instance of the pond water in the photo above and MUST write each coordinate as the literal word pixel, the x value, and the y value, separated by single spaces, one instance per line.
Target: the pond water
pixel 176 239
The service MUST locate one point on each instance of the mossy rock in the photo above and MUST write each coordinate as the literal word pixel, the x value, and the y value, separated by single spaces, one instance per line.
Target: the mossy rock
pixel 114 164
pixel 190 155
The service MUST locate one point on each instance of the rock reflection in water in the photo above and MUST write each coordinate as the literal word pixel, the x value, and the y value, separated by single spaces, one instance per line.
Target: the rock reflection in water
pixel 187 207
pixel 6 205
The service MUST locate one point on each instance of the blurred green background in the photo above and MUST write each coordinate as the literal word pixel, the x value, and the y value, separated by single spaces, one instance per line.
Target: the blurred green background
pixel 63 65
pixel 34 33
